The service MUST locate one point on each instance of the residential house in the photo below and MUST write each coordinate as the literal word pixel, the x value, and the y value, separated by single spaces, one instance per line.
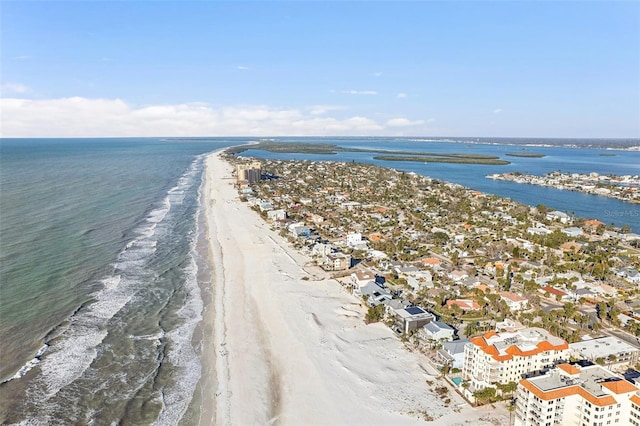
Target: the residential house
pixel 437 331
pixel 395 304
pixel 336 262
pixel 558 216
pixel 633 276
pixel 571 247
pixel 452 353
pixel 373 293
pixel 354 239
pixel 320 249
pixel 464 304
pixel 538 231
pixel 555 293
pixel 572 232
pixel 419 279
pixel 514 301
pixel 509 325
pixel 298 230
pixel 432 262
pixel 265 206
pixel 362 277
pixel 592 225
pixel 412 318
pixel 458 275
pixel 279 214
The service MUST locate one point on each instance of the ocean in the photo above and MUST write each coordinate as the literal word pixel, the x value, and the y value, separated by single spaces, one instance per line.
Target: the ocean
pixel 104 268
pixel 99 279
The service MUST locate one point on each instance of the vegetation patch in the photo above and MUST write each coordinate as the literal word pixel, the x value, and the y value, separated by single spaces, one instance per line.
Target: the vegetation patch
pixel 525 154
pixel 326 148
pixel 452 158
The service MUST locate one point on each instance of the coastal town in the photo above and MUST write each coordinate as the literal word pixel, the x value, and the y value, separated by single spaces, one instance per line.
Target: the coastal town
pixel 625 188
pixel 517 305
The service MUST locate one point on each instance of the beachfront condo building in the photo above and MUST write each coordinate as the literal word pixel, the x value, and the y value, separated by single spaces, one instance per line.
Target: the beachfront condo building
pixel 249 172
pixel 499 358
pixel 574 395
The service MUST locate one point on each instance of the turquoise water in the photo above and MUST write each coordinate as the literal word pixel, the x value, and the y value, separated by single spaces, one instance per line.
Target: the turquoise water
pixel 103 269
pixel 99 271
pixel 457 380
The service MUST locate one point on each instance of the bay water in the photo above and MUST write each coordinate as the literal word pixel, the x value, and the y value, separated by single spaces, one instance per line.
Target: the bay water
pixel 576 158
pixel 104 270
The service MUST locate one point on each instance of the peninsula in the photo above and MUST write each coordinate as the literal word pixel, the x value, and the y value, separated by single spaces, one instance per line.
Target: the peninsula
pixel 440 267
pixel 625 188
pixel 287 345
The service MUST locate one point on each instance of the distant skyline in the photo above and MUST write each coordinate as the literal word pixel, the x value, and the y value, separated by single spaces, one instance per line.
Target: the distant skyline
pixel 565 69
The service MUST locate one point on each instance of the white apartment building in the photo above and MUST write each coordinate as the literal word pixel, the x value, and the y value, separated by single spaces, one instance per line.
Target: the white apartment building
pixel 573 395
pixel 615 353
pixel 505 357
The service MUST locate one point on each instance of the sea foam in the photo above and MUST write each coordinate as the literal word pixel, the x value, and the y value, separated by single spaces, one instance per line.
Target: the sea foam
pixel 69 356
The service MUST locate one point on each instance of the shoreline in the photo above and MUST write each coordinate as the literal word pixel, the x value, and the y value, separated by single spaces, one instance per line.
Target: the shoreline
pixel 287 350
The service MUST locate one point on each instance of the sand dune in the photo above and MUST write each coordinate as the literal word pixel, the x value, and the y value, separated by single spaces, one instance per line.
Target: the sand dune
pixel 292 351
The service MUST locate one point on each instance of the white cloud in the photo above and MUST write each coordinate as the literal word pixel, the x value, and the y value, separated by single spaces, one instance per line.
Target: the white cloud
pixel 14 88
pixel 377 74
pixel 401 95
pixel 23 57
pixel 323 109
pixel 360 92
pixel 82 117
pixel 242 67
pixel 497 110
pixel 403 122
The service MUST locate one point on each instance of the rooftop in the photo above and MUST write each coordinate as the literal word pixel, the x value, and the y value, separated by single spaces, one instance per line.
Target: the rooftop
pixel 602 347
pixel 593 383
pixel 436 326
pixel 526 342
pixel 413 312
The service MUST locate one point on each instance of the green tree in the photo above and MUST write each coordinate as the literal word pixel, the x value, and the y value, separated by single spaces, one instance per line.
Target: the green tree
pixel 374 314
pixel 484 395
pixel 507 388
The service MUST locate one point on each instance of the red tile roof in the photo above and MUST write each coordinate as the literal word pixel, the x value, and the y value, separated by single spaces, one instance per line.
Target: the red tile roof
pixel 552 290
pixel 568 391
pixel 619 386
pixel 570 369
pixel 464 304
pixel 513 350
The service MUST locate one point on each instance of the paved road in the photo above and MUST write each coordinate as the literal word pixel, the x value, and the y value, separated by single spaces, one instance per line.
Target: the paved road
pixel 623 335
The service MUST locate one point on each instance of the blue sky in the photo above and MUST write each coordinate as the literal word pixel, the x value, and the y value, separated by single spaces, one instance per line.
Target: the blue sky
pixel 426 68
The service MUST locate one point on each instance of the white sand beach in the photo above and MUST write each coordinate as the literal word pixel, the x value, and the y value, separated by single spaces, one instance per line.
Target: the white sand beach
pixel 293 351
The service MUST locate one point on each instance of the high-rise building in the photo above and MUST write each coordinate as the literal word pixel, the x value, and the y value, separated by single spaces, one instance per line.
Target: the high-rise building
pixel 574 395
pixel 249 172
pixel 499 358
